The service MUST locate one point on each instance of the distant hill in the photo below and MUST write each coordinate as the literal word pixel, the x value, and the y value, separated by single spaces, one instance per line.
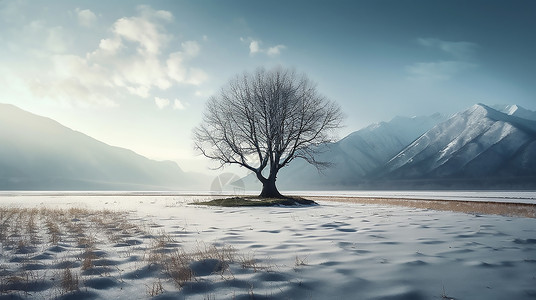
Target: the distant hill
pixel 479 148
pixel 38 153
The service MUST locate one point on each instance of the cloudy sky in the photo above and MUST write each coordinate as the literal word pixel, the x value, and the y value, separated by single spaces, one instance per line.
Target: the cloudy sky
pixel 137 74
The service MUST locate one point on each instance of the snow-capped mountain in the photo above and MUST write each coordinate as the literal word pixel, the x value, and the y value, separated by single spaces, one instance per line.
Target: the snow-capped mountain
pixel 478 145
pixel 358 154
pixel 481 147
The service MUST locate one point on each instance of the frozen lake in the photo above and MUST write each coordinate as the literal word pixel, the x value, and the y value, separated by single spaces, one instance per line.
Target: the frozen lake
pixel 489 196
pixel 123 243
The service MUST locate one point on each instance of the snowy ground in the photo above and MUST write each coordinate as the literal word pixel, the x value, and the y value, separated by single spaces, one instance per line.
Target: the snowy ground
pixel 331 251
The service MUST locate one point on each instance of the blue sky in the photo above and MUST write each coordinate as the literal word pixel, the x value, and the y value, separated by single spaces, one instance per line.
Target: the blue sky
pixel 137 74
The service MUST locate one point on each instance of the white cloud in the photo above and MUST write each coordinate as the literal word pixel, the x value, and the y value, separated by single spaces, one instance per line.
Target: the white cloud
pixel 76 81
pixel 149 13
pixel 134 59
pixel 143 74
pixel 460 50
pixel 161 103
pixel 86 17
pixel 110 45
pixel 140 90
pixel 164 15
pixel 255 47
pixel 178 105
pixel 196 76
pixel 142 31
pixel 438 71
pixel 273 51
pixel 175 67
pixel 191 48
pixel 180 73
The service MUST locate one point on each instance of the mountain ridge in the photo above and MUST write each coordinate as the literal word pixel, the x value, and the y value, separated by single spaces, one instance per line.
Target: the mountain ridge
pixel 478 143
pixel 480 147
pixel 40 153
pixel 359 153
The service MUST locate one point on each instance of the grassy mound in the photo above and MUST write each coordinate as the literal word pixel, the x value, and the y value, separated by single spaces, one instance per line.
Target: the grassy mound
pixel 257 201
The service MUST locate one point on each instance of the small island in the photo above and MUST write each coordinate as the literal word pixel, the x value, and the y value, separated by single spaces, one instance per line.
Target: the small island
pixel 257 201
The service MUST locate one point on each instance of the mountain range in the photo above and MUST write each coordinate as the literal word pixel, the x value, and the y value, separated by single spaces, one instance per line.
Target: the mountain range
pixel 38 153
pixel 480 148
pixel 357 155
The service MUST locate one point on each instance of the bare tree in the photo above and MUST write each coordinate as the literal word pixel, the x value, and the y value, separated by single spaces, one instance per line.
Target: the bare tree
pixel 264 120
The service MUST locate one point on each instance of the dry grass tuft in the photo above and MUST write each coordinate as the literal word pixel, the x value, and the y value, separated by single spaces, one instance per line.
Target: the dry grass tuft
pixel 176 264
pixel 177 267
pixel 27 234
pixel 87 258
pixel 59 249
pixel 69 280
pixel 155 289
pixel 224 253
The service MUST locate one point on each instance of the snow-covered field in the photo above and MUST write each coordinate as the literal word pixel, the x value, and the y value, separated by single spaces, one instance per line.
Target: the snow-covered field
pixel 155 245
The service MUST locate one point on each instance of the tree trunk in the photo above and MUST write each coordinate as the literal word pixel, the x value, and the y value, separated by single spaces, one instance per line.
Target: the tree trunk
pixel 269 190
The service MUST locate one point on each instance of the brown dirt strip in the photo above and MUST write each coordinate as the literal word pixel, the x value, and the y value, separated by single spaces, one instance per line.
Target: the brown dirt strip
pixel 472 207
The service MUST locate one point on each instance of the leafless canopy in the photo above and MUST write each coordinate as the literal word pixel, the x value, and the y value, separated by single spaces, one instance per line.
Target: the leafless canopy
pixel 265 120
